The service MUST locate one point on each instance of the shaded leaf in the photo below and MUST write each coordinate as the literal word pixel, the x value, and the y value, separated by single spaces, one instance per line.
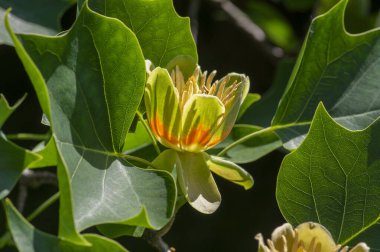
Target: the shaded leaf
pixel 33 16
pixel 29 239
pixel 250 150
pixel 118 230
pixel 95 78
pixel 48 154
pixel 6 110
pixel 14 159
pixel 337 68
pixel 332 178
pixel 359 16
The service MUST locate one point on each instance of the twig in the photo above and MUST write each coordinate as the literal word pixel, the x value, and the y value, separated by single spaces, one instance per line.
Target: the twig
pixel 32 179
pixel 193 14
pixel 43 206
pixel 248 26
pixel 154 238
pixel 28 136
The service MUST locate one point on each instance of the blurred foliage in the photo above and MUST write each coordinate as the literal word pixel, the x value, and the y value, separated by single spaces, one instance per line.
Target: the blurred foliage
pixel 275 25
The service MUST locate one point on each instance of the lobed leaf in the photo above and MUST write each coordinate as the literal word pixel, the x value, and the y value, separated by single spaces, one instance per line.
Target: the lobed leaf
pixel 332 178
pixel 162 33
pixel 33 16
pixel 29 239
pixel 336 68
pixel 90 84
pixel 14 159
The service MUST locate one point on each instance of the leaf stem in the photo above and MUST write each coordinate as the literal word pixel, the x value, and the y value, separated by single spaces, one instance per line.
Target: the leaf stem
pixel 137 159
pixel 150 133
pixel 257 133
pixel 43 206
pixel 28 136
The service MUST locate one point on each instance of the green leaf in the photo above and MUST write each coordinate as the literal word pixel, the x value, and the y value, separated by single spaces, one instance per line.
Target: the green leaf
pixel 14 159
pixel 250 150
pixel 29 239
pixel 166 161
pixel 197 183
pixel 136 140
pixel 48 154
pixel 230 171
pixel 33 16
pixel 162 34
pixel 6 110
pixel 332 178
pixel 337 68
pixel 117 230
pixel 359 16
pixel 95 78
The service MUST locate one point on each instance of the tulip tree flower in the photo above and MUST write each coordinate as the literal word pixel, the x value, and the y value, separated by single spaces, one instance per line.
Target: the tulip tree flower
pixel 189 112
pixel 307 237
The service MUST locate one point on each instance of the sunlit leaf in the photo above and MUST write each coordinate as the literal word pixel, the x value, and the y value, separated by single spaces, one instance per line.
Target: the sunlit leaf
pixel 337 68
pixel 162 34
pixel 333 178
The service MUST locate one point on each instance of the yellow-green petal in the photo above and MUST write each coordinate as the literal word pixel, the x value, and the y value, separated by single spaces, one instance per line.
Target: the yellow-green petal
pixel 161 101
pixel 197 183
pixel 202 114
pixel 232 107
pixel 361 247
pixel 309 231
pixel 229 171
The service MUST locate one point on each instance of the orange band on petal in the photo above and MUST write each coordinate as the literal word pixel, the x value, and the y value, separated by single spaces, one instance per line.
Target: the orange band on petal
pixel 160 132
pixel 199 136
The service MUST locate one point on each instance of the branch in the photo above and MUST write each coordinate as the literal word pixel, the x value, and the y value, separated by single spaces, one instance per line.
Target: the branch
pixel 242 21
pixel 154 238
pixel 32 179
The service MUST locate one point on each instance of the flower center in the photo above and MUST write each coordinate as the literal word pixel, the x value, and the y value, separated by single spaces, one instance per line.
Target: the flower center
pixel 200 83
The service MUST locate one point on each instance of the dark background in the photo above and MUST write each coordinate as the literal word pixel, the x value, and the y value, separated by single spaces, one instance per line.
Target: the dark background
pixel 222 46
